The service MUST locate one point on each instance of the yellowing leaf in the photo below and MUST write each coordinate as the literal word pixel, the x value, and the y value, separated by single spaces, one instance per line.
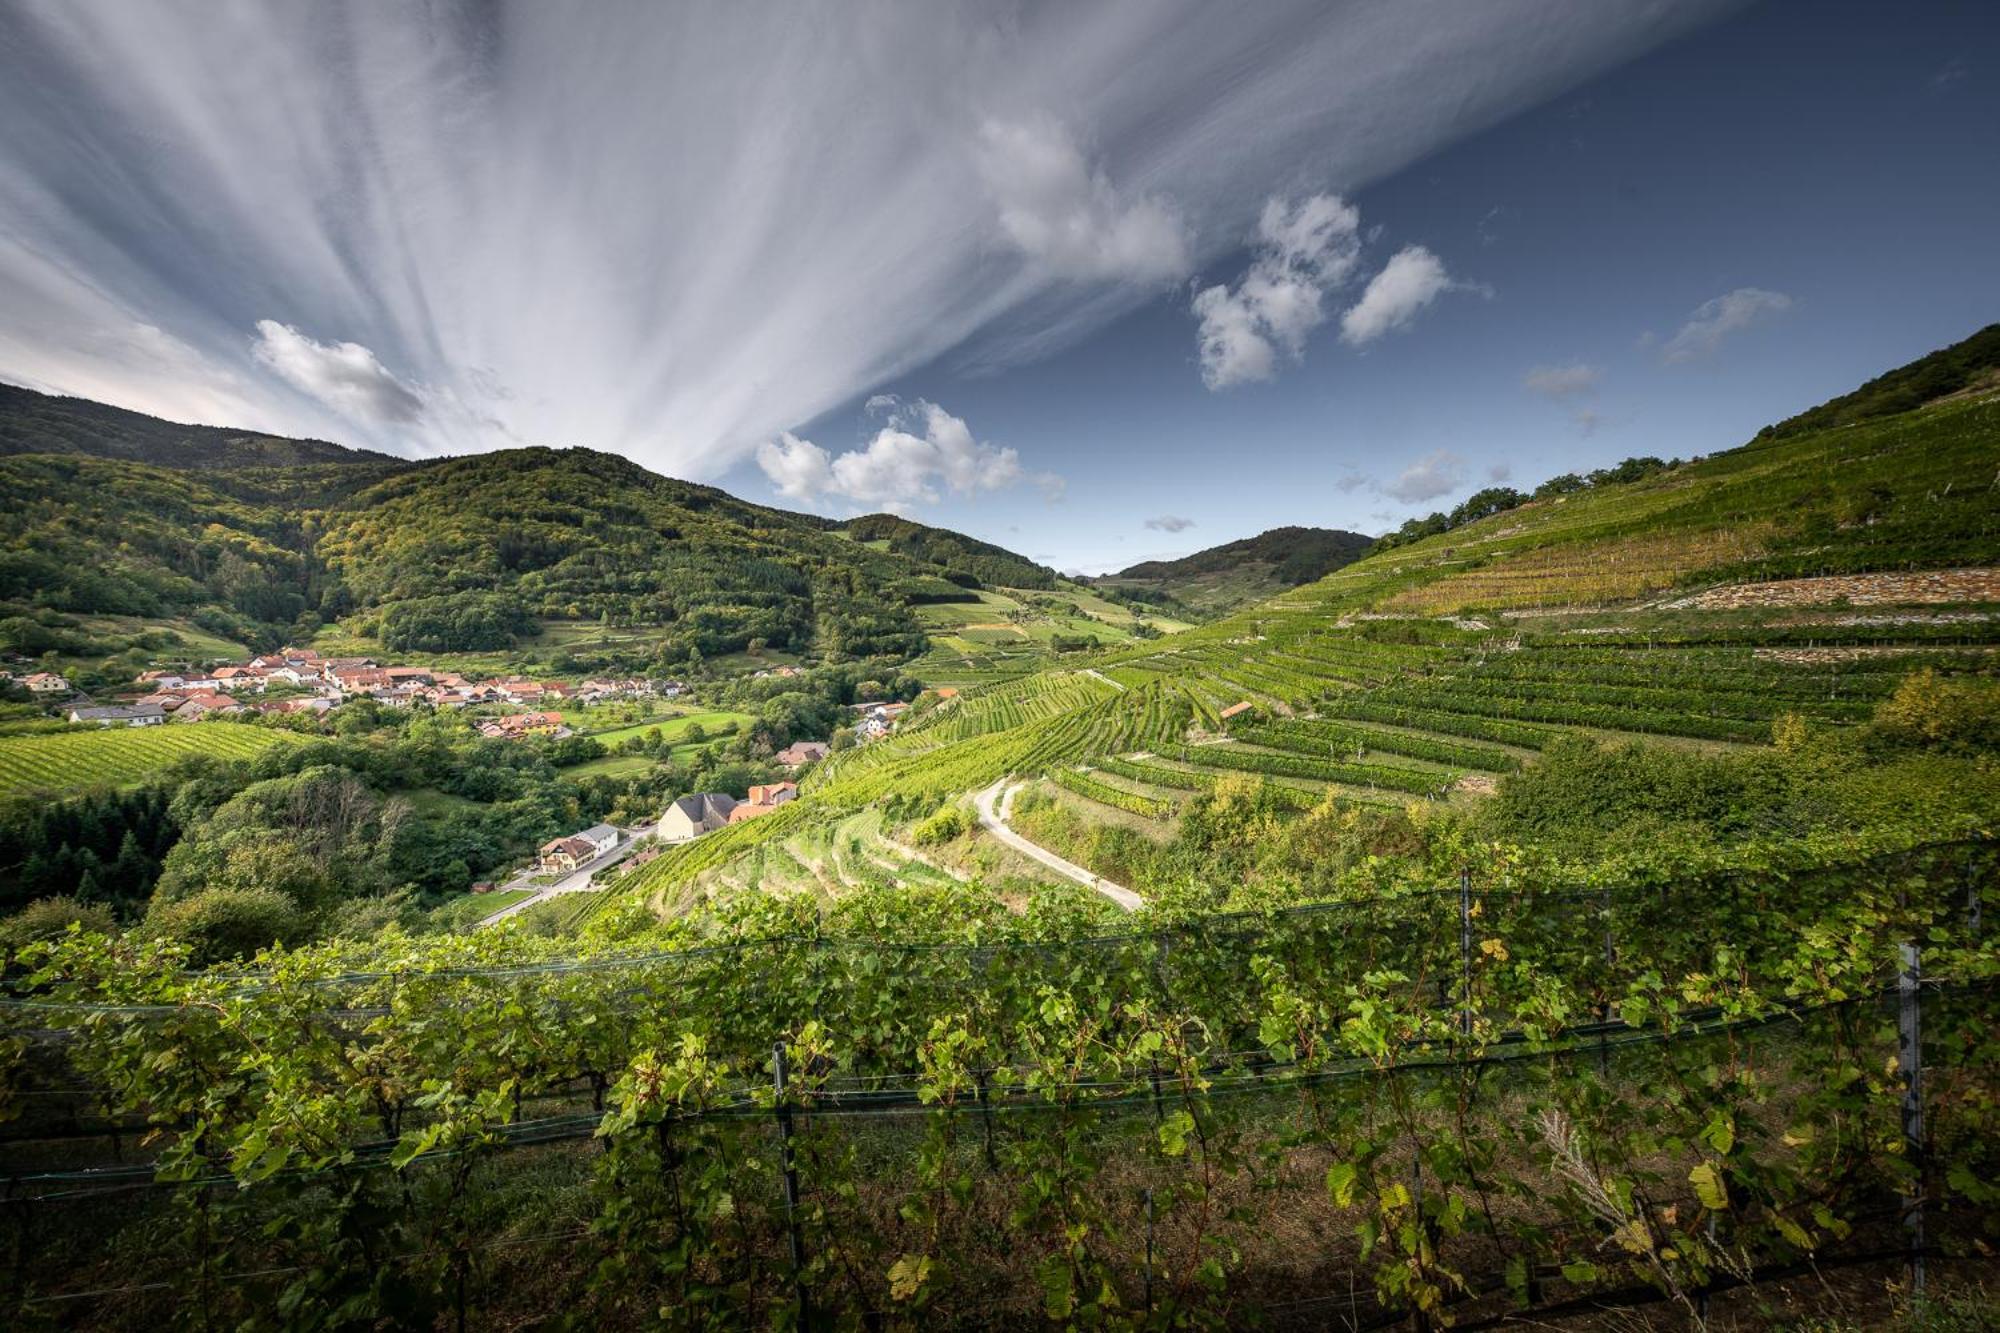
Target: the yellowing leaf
pixel 908 1275
pixel 1708 1187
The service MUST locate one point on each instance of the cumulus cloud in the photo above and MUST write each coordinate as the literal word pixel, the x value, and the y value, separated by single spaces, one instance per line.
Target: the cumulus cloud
pixel 1303 251
pixel 1715 320
pixel 1563 381
pixel 922 453
pixel 1433 475
pixel 496 199
pixel 881 403
pixel 344 376
pixel 1170 523
pixel 1411 280
pixel 1061 211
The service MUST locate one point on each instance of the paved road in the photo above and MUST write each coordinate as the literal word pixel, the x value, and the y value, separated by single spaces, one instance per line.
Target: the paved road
pixel 577 881
pixel 994 821
pixel 1093 671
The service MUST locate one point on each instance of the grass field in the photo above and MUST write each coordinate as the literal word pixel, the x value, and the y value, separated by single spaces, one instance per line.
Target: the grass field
pixel 612 766
pixel 121 755
pixel 672 729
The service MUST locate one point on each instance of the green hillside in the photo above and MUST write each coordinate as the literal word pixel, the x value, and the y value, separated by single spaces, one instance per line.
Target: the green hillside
pixel 1233 574
pixel 1795 582
pixel 112 514
pixel 1515 909
pixel 38 423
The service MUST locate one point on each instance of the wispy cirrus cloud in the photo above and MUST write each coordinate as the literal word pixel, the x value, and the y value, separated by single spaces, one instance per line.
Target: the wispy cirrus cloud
pixel 678 232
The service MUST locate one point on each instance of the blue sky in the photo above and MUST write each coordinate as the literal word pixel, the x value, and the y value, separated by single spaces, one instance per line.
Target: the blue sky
pixel 1843 160
pixel 1101 282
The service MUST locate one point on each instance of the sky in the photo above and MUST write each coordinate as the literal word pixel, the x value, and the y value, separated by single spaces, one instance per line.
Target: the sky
pixel 1100 282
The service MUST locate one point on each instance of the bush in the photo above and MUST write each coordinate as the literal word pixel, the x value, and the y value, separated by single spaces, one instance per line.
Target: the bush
pixel 948 823
pixel 46 918
pixel 221 924
pixel 1938 714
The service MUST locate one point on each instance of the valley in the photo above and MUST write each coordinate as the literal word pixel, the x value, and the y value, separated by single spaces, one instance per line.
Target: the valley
pixel 1600 809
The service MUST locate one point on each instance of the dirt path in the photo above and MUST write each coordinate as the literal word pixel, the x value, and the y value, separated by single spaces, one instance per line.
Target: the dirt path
pixel 994 821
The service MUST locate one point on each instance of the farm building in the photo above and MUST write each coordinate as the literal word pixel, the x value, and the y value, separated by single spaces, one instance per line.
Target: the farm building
pixel 692 816
pixel 120 715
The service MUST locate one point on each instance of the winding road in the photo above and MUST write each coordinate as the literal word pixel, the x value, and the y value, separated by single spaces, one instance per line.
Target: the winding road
pixel 992 807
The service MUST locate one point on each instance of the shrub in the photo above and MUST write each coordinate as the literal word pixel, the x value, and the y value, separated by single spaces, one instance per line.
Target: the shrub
pixel 221 924
pixel 1938 714
pixel 946 824
pixel 46 918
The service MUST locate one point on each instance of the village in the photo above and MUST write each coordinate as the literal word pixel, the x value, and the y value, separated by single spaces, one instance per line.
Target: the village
pixel 297 680
pixel 300 680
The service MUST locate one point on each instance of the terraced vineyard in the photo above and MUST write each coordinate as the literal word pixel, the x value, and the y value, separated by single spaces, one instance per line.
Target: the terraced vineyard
pixel 1440 666
pixel 65 761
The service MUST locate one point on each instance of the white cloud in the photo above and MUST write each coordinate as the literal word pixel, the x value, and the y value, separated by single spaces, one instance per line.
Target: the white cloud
pixel 1563 381
pixel 1429 477
pixel 1170 523
pixel 1411 280
pixel 920 455
pixel 677 231
pixel 1303 251
pixel 799 469
pixel 1060 211
pixel 880 403
pixel 1713 321
pixel 344 376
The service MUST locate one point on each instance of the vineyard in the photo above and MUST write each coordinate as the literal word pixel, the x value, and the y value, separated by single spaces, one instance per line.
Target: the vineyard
pixel 111 757
pixel 1493 1097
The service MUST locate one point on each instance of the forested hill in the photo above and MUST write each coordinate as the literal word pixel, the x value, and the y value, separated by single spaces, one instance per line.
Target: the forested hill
pixel 953 550
pixel 39 423
pixel 1969 365
pixel 1224 577
pixel 262 539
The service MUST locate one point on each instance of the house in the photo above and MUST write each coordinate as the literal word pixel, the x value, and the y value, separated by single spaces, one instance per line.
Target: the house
pixel 601 837
pixel 947 692
pixel 1235 709
pixel 800 753
pixel 162 680
pixel 320 706
pixel 205 703
pixel 692 816
pixel 578 849
pixel 239 678
pixel 776 793
pixel 763 800
pixel 120 715
pixel 47 683
pixel 482 886
pixel 564 854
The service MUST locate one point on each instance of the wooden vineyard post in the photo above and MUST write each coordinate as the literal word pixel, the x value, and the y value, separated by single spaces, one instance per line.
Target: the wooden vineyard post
pixel 1465 949
pixel 1604 1009
pixel 1910 1062
pixel 791 1169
